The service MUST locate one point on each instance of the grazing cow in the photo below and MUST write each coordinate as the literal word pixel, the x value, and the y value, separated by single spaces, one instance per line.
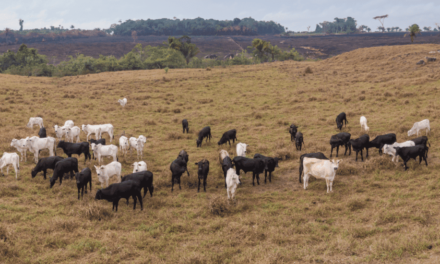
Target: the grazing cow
pixel 105 151
pixel 408 153
pixel 226 165
pixel 381 140
pixel 138 145
pixel 44 164
pixel 364 126
pixel 257 166
pixel 122 102
pixel 390 150
pixel 292 130
pixel 359 144
pixel 75 148
pixel 105 172
pixel 123 145
pixel 204 133
pixel 63 166
pixel 241 149
pixel 340 139
pixel 82 178
pixel 183 156
pixel 227 136
pixel 116 191
pixel 35 121
pixel 177 168
pixel 221 155
pixel 68 123
pixel 139 166
pixel 232 182
pixel 202 172
pixel 35 144
pixel 106 128
pixel 10 159
pixel 60 132
pixel 73 132
pixel 144 179
pixel 424 124
pixel 319 168
pixel 270 165
pixel 20 145
pixel 299 141
pixel 98 130
pixel 339 120
pixel 316 155
pixel 185 126
pixel 423 140
pixel 42 133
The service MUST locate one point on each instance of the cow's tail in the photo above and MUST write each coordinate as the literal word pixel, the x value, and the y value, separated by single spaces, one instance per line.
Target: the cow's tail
pixel 301 160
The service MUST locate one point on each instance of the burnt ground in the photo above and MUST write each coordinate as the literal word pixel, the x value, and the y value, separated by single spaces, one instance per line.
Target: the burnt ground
pixel 309 46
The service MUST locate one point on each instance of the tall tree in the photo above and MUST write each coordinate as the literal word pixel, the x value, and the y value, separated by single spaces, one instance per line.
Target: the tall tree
pixel 184 45
pixel 413 31
pixel 20 21
pixel 381 19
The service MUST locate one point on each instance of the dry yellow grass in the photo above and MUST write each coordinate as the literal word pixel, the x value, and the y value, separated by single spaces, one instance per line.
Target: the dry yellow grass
pixel 377 212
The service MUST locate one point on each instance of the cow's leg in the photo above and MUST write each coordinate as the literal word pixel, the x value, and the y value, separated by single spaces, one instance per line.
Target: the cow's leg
pixel 140 200
pixel 79 189
pixel 178 180
pixel 134 201
pixel 305 181
pixel 331 186
pixel 253 179
pixel 328 185
pixel 258 178
pixel 44 173
pixel 357 155
pixel 204 184
pixel 265 176
pixel 426 162
pixel 331 151
pixel 172 183
pixel 337 151
pixel 362 155
pixel 270 176
pixel 198 186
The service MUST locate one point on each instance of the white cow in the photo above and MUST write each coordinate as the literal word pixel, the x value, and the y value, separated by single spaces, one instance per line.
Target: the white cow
pixel 123 145
pixel 105 172
pixel 319 168
pixel 232 182
pixel 122 102
pixel 106 128
pixel 139 166
pixel 221 155
pixel 424 124
pixel 101 151
pixel 364 124
pixel 35 121
pixel 35 144
pixel 18 144
pixel 73 132
pixel 60 131
pixel 390 150
pixel 92 129
pixel 10 159
pixel 138 145
pixel 241 149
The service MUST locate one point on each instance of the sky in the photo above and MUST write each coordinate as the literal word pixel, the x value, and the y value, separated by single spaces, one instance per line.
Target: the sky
pixel 294 14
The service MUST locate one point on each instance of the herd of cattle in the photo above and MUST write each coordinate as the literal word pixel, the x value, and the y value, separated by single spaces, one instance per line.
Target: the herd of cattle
pixel 311 164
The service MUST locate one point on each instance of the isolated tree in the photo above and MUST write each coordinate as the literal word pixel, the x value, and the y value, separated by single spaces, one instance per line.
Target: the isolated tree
pixel 20 21
pixel 381 19
pixel 134 36
pixel 308 28
pixel 388 29
pixel 381 29
pixel 184 45
pixel 368 29
pixel 413 31
pixel 72 26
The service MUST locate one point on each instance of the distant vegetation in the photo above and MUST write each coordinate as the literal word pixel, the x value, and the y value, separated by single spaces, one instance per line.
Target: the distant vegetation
pixel 339 25
pixel 41 35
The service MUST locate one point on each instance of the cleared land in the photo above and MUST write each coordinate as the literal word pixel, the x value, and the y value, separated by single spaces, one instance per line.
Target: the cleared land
pixel 377 212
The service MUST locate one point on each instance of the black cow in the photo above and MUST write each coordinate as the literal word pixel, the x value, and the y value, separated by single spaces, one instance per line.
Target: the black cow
pixel 316 155
pixel 292 130
pixel 204 133
pixel 423 140
pixel 359 144
pixel 116 191
pixel 185 126
pixel 42 133
pixel 144 179
pixel 226 165
pixel 270 165
pixel 75 148
pixel 183 156
pixel 82 178
pixel 340 139
pixel 257 166
pixel 299 141
pixel 202 172
pixel 99 141
pixel 44 164
pixel 177 167
pixel 407 153
pixel 227 136
pixel 381 140
pixel 63 166
pixel 339 120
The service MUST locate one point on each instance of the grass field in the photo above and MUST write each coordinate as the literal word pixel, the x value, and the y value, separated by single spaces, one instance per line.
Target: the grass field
pixel 376 213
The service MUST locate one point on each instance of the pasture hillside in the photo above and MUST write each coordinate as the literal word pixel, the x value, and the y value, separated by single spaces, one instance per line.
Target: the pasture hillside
pixel 377 212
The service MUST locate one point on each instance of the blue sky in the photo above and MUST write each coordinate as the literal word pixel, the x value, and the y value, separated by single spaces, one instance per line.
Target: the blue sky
pixel 296 15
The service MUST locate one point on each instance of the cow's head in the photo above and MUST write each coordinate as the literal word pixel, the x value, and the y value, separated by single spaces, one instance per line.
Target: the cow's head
pixel 412 131
pixel 52 181
pixel 99 170
pixel 335 164
pixel 293 129
pixel 135 166
pixel 60 144
pixel 34 173
pixel 13 142
pixel 27 142
pixel 388 149
pixel 98 195
pixel 202 164
pixel 199 142
pixel 276 162
pixel 339 125
pixel 397 149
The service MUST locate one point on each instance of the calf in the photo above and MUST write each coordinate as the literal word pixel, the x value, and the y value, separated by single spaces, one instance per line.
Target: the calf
pixel 10 159
pixel 222 155
pixel 144 179
pixel 381 140
pixel 339 120
pixel 177 168
pixel 60 132
pixel 292 130
pixel 105 172
pixel 316 155
pixel 227 136
pixel 241 149
pixel 318 168
pixel 183 156
pixel 122 102
pixel 139 166
pixel 359 144
pixel 364 126
pixel 44 164
pixel 116 191
pixel 42 133
pixel 72 133
pixel 82 178
pixel 143 139
pixel 202 172
pixel 257 166
pixel 75 148
pixel 123 145
pixel 20 145
pixel 35 121
pixel 270 165
pixel 138 145
pixel 422 125
pixel 232 182
pixel 390 150
pixel 204 133
pixel 105 151
pixel 185 126
pixel 61 167
pixel 299 141
pixel 408 153
pixel 35 144
pixel 340 139
pixel 226 165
